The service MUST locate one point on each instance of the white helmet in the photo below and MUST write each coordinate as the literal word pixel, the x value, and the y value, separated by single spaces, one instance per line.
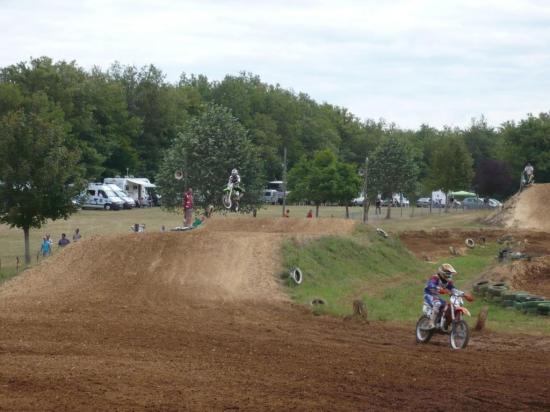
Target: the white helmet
pixel 446 271
pixel 234 172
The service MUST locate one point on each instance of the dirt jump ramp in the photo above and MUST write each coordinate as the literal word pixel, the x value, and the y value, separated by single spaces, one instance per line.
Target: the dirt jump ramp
pixel 228 260
pixel 528 209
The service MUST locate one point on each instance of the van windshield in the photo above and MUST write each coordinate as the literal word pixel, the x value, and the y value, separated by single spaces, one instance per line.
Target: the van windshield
pixel 110 193
pixel 276 185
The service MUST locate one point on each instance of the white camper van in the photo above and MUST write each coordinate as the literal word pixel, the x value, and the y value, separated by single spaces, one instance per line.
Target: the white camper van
pixel 277 186
pixel 128 202
pixel 100 196
pixel 135 187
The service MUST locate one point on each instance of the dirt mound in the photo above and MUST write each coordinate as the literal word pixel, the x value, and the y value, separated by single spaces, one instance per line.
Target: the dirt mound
pixel 434 244
pixel 529 209
pixel 532 276
pixel 229 259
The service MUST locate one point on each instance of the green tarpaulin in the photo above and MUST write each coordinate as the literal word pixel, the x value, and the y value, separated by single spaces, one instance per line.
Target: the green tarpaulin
pixel 462 194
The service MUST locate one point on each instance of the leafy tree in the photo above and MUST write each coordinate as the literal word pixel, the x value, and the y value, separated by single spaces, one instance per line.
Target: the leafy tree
pixel 209 147
pixel 493 178
pixel 528 141
pixel 452 166
pixel 392 169
pixel 38 172
pixel 323 179
pixel 349 184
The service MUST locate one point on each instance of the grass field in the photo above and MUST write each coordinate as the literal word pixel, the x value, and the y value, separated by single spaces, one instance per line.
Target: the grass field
pixel 388 278
pixel 102 222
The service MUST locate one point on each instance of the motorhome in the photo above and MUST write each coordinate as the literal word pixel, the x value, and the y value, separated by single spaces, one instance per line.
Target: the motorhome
pixel 129 203
pixel 100 196
pixel 136 187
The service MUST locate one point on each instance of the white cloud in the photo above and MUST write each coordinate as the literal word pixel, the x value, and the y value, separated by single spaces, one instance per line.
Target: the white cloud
pixel 411 62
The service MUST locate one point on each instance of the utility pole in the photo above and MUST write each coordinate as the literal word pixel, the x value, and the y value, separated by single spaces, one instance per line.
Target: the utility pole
pixel 284 182
pixel 365 198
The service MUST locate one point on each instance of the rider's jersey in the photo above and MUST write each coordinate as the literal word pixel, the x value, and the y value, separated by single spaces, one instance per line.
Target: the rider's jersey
pixel 235 179
pixel 435 282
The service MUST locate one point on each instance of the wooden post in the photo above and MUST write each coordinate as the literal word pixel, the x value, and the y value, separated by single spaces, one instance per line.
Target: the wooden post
pixel 365 196
pixel 16 264
pixel 482 318
pixel 284 182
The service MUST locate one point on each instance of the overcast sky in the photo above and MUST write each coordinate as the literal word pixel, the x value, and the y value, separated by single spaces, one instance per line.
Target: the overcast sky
pixel 409 62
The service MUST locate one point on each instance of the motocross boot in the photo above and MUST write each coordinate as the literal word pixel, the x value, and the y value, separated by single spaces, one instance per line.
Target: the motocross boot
pixel 433 317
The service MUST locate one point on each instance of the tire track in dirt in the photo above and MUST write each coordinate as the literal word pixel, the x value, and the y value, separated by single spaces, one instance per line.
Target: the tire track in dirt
pixel 198 321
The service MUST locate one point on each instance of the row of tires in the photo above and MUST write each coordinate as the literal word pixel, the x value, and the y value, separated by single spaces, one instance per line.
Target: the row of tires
pixel 519 300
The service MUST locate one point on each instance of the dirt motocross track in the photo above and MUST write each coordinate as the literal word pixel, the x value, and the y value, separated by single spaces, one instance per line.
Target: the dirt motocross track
pixel 199 321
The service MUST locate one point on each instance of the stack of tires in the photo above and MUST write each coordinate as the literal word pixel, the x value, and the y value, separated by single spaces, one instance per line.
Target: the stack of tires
pixel 520 300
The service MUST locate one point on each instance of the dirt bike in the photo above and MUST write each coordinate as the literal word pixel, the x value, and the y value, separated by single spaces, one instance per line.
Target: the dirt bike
pixel 231 197
pixel 526 181
pixel 449 321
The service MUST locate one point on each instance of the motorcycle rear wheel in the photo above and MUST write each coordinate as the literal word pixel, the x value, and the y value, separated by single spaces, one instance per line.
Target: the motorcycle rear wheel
pixel 226 200
pixel 423 333
pixel 460 335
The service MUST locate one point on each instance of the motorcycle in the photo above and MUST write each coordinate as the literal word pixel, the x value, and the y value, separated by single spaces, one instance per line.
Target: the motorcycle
pixel 231 197
pixel 526 181
pixel 448 322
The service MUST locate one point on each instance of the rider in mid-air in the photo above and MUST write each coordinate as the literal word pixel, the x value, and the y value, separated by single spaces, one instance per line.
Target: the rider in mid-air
pixel 235 181
pixel 441 280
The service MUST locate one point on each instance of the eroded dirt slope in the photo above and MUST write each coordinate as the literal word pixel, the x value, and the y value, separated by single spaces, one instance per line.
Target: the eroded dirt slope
pixel 529 209
pixel 198 321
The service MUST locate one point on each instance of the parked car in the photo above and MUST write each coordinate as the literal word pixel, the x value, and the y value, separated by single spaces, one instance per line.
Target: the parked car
pixel 358 201
pixel 472 203
pixel 493 203
pixel 423 202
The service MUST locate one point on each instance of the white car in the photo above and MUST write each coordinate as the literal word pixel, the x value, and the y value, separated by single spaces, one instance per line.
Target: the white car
pixel 358 201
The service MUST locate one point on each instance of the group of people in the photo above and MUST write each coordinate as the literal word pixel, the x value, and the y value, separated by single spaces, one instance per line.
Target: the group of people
pixel 47 243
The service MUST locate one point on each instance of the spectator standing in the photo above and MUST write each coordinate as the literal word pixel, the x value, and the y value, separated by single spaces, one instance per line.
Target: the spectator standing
pixel 378 205
pixel 310 214
pixel 76 236
pixel 188 207
pixel 63 241
pixel 287 213
pixel 46 247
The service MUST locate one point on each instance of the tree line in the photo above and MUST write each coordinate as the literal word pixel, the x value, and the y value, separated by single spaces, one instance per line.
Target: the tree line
pixel 62 125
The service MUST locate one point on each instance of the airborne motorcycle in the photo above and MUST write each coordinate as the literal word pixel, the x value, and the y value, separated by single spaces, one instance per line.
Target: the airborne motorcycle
pixel 449 321
pixel 231 196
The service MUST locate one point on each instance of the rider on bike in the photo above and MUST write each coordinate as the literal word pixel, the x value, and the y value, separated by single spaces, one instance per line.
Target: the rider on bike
pixel 235 180
pixel 441 280
pixel 528 172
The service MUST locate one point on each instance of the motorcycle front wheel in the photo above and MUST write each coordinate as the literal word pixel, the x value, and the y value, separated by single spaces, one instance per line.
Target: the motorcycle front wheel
pixel 423 333
pixel 460 335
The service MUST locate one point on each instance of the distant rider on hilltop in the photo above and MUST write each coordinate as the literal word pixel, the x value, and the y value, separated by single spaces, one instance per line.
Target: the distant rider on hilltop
pixel 528 175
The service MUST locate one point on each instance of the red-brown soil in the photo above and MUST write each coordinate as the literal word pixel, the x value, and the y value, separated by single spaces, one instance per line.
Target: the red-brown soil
pixel 530 275
pixel 198 321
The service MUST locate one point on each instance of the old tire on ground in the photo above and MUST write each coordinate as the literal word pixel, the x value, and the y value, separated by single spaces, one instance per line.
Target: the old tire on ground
pixel 480 287
pixel 423 334
pixel 470 243
pixel 496 290
pixel 296 275
pixel 460 335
